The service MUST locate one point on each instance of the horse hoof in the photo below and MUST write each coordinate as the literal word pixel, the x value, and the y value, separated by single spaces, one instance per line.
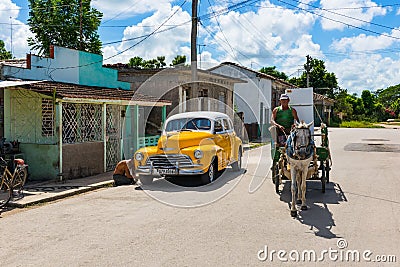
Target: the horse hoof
pixel 304 208
pixel 293 213
pixel 298 202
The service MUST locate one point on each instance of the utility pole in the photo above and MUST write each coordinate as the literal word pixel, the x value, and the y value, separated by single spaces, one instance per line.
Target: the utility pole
pixel 307 67
pixel 200 45
pixel 193 43
pixel 12 54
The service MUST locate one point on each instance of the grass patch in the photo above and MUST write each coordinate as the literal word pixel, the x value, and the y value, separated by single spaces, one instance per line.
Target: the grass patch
pixel 359 124
pixel 255 145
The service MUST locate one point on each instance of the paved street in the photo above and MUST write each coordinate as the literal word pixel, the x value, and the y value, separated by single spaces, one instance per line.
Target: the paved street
pixel 226 223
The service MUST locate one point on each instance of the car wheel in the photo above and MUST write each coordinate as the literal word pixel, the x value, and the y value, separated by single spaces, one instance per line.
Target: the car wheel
pixel 211 173
pixel 237 166
pixel 146 180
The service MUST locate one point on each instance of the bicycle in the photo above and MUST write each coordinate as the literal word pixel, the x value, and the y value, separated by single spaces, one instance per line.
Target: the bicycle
pixel 12 184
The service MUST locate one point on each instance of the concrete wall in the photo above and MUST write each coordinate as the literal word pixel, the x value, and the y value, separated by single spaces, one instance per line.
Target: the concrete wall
pixel 83 159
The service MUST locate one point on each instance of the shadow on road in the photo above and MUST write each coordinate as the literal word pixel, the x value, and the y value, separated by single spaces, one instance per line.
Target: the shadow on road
pixel 192 183
pixel 318 216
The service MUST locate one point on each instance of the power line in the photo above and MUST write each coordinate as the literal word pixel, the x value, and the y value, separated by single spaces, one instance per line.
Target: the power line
pixel 220 28
pixel 120 13
pixel 338 21
pixel 213 35
pixel 349 17
pixel 132 46
pixel 143 36
pixel 227 9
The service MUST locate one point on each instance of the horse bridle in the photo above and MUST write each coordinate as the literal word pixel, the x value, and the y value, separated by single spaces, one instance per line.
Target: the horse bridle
pixel 297 147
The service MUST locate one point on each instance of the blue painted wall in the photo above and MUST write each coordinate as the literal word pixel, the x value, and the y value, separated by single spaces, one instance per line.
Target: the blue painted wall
pixel 68 66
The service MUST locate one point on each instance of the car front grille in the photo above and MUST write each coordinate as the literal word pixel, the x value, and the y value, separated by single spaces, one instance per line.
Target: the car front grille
pixel 169 161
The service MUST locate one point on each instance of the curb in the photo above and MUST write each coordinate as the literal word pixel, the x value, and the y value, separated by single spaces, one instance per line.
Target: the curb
pixel 61 195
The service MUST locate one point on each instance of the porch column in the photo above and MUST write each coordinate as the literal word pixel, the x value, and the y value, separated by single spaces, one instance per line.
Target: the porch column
pixel 163 115
pixel 104 126
pixel 180 99
pixel 135 128
pixel 60 137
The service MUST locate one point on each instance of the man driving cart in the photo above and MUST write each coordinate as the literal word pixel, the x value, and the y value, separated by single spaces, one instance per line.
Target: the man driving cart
pixel 283 118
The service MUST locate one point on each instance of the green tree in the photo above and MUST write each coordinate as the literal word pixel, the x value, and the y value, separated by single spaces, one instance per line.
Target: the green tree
pixel 4 54
pixel 273 72
pixel 342 103
pixel 320 79
pixel 390 100
pixel 161 62
pixel 140 63
pixel 389 95
pixel 368 100
pixel 179 59
pixel 136 62
pixel 67 23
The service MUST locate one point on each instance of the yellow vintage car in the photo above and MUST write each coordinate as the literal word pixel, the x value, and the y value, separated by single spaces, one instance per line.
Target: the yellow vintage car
pixel 192 143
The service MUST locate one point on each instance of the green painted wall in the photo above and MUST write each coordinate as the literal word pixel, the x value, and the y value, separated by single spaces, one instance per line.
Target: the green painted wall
pixel 96 74
pixel 42 160
pixel 25 125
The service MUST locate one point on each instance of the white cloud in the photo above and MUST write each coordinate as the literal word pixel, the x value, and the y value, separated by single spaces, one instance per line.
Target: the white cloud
pixel 364 42
pixel 123 9
pixel 269 32
pixel 20 31
pixel 169 43
pixel 366 72
pixel 353 15
pixel 398 12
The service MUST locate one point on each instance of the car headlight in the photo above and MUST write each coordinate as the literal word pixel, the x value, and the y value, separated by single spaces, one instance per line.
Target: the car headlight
pixel 198 154
pixel 139 156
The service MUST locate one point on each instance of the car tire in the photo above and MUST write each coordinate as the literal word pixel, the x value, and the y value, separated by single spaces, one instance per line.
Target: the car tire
pixel 237 166
pixel 210 175
pixel 146 180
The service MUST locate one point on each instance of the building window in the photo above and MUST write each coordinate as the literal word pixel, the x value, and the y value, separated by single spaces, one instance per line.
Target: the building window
pixel 203 93
pixel 81 123
pixel 47 117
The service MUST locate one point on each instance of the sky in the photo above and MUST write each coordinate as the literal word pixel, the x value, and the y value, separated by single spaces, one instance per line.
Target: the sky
pixel 359 40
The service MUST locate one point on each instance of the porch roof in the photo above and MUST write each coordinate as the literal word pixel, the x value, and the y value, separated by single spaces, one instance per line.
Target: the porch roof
pixel 79 93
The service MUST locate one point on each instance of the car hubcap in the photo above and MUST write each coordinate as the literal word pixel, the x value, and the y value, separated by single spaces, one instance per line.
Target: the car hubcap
pixel 211 172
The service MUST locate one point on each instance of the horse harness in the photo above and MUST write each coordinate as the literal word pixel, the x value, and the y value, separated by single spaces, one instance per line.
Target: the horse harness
pixel 299 151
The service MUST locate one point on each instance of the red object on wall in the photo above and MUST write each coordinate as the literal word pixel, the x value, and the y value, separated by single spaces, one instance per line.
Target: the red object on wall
pixel 51 51
pixel 28 61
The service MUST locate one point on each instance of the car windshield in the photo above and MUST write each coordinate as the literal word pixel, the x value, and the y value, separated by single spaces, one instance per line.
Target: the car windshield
pixel 188 124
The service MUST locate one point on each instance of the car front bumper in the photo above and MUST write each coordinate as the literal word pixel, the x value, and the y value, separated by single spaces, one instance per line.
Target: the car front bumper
pixel 173 171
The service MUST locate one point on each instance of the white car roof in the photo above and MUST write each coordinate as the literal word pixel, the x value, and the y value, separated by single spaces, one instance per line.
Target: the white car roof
pixel 199 114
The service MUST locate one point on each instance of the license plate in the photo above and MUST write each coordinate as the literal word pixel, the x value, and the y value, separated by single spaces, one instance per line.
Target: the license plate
pixel 167 171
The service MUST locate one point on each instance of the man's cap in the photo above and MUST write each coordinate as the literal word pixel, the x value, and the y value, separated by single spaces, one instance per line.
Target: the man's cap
pixel 284 97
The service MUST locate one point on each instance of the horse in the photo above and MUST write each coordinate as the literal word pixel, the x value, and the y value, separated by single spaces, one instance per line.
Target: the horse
pixel 300 150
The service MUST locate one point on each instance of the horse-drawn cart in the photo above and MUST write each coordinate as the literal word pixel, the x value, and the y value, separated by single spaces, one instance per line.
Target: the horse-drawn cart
pixel 300 158
pixel 318 170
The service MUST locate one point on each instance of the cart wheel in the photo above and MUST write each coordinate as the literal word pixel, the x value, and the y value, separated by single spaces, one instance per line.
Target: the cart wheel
pixel 327 169
pixel 323 178
pixel 277 184
pixel 275 170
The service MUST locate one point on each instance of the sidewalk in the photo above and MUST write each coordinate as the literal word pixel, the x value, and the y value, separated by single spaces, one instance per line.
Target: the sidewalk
pixel 40 192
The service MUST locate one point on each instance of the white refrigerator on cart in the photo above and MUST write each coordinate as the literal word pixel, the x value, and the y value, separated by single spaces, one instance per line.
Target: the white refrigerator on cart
pixel 302 100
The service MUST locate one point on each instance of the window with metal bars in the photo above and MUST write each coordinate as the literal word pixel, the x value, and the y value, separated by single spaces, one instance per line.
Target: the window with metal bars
pixel 81 123
pixel 47 117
